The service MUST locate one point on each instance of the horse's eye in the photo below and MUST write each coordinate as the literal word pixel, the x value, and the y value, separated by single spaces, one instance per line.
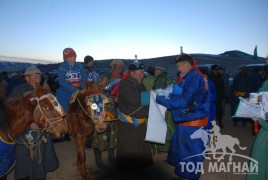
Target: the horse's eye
pixel 46 107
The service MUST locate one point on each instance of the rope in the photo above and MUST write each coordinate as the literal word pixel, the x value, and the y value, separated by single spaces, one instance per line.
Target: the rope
pixel 36 145
pixel 83 108
pixel 135 111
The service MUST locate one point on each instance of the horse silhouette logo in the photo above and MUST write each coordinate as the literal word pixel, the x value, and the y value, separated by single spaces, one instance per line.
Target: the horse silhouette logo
pixel 213 140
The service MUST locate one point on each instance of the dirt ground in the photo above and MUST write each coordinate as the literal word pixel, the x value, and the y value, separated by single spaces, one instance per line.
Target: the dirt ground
pixel 161 170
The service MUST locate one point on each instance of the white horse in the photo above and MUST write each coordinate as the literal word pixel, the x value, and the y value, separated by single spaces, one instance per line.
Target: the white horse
pixel 216 141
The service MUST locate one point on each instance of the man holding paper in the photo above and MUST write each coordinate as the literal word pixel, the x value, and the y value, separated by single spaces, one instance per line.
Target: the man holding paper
pixel 189 105
pixel 133 153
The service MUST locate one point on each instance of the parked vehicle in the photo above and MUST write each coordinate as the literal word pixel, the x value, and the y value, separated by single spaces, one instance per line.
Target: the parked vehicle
pixel 251 69
pixel 205 68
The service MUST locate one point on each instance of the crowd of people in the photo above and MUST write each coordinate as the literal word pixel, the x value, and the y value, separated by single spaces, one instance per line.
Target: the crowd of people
pixel 195 101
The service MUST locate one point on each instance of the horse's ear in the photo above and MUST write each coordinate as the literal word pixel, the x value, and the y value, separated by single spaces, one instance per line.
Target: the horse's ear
pixel 89 87
pixel 87 84
pixel 73 97
pixel 102 83
pixel 104 99
pixel 83 92
pixel 46 88
pixel 37 88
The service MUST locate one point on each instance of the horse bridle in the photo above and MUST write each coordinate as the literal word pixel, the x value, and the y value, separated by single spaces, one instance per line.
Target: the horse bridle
pixel 88 107
pixel 55 105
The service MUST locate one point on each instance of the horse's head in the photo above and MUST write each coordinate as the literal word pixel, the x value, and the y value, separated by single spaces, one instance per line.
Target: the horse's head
pixel 48 113
pixel 198 133
pixel 95 102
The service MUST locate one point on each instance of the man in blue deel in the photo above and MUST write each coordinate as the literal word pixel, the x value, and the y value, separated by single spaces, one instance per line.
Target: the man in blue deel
pixel 189 105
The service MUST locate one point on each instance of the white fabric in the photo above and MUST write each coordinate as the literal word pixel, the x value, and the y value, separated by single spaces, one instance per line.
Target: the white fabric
pixel 156 127
pixel 264 105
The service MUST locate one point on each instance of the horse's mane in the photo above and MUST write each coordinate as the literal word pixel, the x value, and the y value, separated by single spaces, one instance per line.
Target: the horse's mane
pixel 9 103
pixel 3 117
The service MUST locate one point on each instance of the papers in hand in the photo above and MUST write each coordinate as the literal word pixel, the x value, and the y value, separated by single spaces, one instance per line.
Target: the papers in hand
pixel 156 127
pixel 164 92
pixel 247 109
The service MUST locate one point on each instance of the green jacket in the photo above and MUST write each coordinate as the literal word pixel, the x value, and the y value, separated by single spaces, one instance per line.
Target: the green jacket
pixel 162 81
pixel 148 82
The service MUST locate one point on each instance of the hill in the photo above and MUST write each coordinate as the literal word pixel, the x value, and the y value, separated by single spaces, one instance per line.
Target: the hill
pixel 230 59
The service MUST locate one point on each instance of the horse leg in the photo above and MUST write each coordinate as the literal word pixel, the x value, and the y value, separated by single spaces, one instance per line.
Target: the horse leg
pixel 81 156
pixel 223 154
pixel 205 155
pixel 233 151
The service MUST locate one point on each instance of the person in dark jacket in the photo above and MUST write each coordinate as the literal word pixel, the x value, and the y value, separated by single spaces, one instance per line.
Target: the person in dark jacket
pixel 92 75
pixel 218 82
pixel 43 159
pixel 133 153
pixel 241 87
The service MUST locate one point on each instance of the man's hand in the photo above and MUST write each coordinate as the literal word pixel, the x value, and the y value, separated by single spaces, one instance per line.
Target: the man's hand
pixel 161 100
pixel 176 90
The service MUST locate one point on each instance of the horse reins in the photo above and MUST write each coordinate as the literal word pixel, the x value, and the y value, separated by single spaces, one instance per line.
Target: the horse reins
pixel 49 121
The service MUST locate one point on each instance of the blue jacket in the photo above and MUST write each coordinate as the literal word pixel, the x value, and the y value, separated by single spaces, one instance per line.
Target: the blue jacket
pixel 193 92
pixel 70 78
pixel 183 149
pixel 212 107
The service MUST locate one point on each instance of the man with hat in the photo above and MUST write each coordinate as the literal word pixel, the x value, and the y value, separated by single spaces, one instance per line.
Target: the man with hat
pixel 162 80
pixel 218 82
pixel 31 76
pixel 44 158
pixel 189 105
pixel 71 78
pixel 133 153
pixel 107 141
pixel 92 74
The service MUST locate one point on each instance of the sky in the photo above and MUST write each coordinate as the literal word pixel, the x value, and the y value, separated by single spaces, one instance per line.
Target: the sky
pixel 110 29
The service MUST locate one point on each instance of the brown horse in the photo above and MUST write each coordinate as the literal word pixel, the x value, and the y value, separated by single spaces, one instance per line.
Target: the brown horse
pixel 17 114
pixel 86 113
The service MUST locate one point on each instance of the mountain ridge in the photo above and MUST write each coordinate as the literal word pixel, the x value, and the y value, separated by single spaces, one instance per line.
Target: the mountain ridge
pixel 230 59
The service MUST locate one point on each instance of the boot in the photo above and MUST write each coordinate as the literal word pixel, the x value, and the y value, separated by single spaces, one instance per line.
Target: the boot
pixel 98 160
pixel 111 157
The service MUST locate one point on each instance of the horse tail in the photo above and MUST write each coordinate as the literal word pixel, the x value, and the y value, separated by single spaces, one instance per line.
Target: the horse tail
pixel 242 148
pixel 238 143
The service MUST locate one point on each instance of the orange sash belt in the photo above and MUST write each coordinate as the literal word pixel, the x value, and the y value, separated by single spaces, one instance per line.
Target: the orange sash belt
pixel 76 84
pixel 240 93
pixel 199 122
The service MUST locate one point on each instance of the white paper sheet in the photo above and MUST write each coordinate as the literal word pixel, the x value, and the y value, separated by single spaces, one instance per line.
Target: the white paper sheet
pixel 156 127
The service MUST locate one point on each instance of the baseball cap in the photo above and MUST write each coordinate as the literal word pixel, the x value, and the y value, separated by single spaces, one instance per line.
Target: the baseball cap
pixel 31 70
